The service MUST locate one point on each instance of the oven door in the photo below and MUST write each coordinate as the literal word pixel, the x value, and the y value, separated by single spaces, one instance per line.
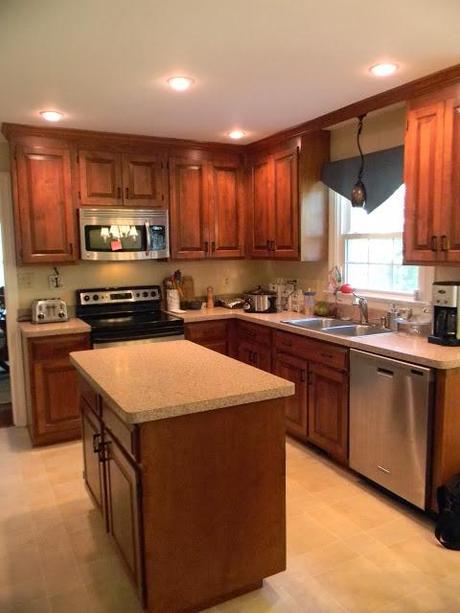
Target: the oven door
pixel 138 341
pixel 115 234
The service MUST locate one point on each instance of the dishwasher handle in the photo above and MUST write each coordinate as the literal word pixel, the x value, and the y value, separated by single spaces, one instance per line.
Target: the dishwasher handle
pixel 385 372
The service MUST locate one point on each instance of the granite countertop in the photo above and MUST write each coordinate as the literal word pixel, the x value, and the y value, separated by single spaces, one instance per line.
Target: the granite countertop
pixel 72 326
pixel 152 381
pixel 399 345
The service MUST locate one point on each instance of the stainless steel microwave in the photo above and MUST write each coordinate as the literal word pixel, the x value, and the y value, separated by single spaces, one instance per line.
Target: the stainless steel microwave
pixel 124 234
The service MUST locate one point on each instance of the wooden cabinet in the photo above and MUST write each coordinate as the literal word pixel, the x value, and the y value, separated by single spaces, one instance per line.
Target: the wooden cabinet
pixel 44 211
pixel 294 369
pixel 53 400
pixel 273 206
pixel 109 178
pixel 328 410
pixel 189 209
pixel 215 335
pixel 431 175
pixel 91 430
pixel 206 205
pixel 253 345
pixel 123 507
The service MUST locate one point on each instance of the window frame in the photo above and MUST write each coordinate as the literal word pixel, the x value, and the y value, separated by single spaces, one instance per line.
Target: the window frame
pixel 337 257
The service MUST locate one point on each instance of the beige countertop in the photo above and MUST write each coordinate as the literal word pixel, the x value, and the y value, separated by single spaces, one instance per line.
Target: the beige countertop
pixel 397 345
pixel 72 326
pixel 153 381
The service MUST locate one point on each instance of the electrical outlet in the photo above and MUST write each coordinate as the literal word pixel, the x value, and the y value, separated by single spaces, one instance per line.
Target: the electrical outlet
pixel 25 280
pixel 55 281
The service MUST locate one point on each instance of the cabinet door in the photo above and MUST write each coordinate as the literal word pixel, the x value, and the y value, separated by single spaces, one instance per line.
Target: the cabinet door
pixel 423 177
pixel 123 508
pixel 92 439
pixel 295 370
pixel 450 224
pixel 246 352
pixel 260 208
pixel 263 358
pixel 44 208
pixel 144 181
pixel 100 178
pixel 328 410
pixel 254 355
pixel 189 209
pixel 286 205
pixel 54 387
pixel 226 209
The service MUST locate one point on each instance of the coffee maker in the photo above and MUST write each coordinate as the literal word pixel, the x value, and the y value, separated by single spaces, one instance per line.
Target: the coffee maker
pixel 446 316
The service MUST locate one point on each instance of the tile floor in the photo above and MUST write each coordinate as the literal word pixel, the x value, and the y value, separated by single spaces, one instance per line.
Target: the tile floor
pixel 350 548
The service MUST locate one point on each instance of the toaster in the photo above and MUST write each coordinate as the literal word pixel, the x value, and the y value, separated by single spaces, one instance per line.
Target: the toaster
pixel 48 310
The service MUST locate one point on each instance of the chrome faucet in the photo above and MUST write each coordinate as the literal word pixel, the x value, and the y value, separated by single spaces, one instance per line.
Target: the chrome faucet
pixel 363 309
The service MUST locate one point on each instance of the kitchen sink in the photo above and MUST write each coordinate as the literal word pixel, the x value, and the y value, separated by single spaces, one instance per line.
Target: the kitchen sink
pixel 314 323
pixel 354 330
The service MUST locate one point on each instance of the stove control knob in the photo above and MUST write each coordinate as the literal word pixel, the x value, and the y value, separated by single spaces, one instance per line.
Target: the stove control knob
pixel 137 295
pixel 96 297
pixel 145 294
pixel 41 316
pixel 153 294
pixel 86 297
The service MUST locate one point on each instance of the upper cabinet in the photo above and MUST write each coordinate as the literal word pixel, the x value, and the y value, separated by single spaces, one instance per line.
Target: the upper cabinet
pixel 116 179
pixel 273 206
pixel 44 211
pixel 206 206
pixel 432 179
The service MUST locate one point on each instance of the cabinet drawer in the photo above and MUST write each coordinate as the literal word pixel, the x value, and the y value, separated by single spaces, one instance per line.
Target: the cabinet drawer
pixel 312 350
pixel 255 333
pixel 56 347
pixel 206 331
pixel 125 435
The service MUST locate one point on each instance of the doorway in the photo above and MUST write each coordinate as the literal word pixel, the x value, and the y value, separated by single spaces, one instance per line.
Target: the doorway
pixel 6 407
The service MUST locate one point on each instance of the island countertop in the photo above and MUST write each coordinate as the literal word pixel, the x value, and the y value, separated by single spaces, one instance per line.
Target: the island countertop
pixel 152 381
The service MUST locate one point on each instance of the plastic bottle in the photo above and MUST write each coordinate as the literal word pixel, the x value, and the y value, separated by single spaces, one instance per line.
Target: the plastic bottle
pixel 309 302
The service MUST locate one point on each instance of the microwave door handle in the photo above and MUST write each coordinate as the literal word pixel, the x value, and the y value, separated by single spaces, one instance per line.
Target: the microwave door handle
pixel 147 237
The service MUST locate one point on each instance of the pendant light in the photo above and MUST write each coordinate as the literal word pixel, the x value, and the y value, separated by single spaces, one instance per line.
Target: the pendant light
pixel 358 193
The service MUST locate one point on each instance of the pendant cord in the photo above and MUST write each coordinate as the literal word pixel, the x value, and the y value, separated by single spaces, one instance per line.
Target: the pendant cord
pixel 358 141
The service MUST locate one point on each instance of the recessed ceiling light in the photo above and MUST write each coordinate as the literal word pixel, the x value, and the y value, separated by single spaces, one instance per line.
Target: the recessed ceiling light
pixel 52 115
pixel 237 134
pixel 383 70
pixel 180 84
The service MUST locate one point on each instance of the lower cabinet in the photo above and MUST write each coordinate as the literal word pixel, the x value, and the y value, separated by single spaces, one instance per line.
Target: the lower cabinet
pixel 52 389
pixel 255 355
pixel 215 335
pixel 112 477
pixel 328 410
pixel 294 369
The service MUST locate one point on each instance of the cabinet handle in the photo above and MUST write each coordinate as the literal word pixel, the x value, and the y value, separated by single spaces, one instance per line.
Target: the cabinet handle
pixel 71 248
pixel 268 245
pixel 303 375
pixel 445 243
pixel 434 243
pixel 310 378
pixel 127 193
pixel 273 245
pixel 206 247
pixel 96 442
pixel 213 246
pixel 119 193
pixel 327 356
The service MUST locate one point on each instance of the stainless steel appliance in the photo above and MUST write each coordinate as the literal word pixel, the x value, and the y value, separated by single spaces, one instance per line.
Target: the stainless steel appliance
pixel 49 310
pixel 124 234
pixel 390 423
pixel 122 315
pixel 260 301
pixel 446 315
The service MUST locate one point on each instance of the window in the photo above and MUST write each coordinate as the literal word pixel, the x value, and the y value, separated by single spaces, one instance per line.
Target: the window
pixel 368 247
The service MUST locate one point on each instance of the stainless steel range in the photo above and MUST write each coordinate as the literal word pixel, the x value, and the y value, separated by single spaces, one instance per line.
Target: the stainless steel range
pixel 122 315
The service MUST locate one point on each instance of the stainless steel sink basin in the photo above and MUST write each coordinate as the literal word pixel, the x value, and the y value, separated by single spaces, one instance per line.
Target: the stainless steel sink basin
pixel 314 323
pixel 353 330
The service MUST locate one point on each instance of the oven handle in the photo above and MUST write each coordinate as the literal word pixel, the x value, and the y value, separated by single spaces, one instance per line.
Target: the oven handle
pixel 147 237
pixel 126 339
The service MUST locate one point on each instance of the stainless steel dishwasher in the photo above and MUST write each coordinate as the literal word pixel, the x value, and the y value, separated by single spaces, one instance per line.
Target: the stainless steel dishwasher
pixel 390 423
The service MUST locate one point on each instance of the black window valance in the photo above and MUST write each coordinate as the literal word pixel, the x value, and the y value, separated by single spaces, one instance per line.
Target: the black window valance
pixel 383 174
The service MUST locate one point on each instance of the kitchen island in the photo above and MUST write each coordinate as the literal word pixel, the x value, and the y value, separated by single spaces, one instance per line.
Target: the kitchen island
pixel 184 453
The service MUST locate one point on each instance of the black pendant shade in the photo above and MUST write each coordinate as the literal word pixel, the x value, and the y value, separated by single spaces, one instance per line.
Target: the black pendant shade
pixel 358 193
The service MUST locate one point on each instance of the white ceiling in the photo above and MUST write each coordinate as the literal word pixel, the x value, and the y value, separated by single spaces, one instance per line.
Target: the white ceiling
pixel 262 65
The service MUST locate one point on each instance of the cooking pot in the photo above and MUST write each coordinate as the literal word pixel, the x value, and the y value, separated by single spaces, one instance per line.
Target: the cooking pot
pixel 260 301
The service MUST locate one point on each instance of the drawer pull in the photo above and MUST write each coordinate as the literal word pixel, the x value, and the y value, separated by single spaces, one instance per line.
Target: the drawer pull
pixel 383 469
pixel 445 244
pixel 327 356
pixel 96 442
pixel 434 243
pixel 303 375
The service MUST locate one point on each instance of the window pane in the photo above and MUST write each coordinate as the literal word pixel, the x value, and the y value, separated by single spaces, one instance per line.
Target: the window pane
pixel 388 217
pixel 380 277
pixel 357 249
pixel 405 278
pixel 357 275
pixel 380 250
